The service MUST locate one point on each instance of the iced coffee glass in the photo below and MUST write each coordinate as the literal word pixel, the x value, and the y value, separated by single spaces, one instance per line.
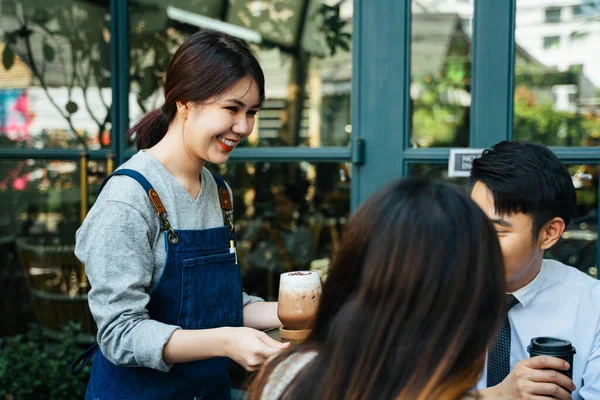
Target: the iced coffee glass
pixel 299 296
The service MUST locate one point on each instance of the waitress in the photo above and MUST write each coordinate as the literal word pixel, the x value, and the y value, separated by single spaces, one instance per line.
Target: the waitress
pixel 159 245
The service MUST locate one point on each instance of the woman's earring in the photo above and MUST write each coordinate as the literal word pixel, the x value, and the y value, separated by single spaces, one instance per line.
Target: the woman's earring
pixel 184 115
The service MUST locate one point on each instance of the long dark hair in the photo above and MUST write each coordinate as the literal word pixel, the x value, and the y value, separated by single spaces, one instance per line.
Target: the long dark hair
pixel 412 301
pixel 203 67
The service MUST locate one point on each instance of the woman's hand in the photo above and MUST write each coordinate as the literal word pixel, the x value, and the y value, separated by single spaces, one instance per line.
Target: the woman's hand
pixel 250 348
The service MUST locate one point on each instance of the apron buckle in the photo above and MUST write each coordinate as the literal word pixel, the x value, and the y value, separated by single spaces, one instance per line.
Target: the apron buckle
pixel 166 225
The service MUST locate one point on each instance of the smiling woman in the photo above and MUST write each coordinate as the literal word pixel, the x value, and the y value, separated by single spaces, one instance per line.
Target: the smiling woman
pixel 197 74
pixel 170 287
pixel 208 130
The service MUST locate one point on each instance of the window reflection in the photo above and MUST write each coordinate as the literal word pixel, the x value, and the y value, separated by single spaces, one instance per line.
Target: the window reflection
pixel 557 80
pixel 440 73
pixel 289 216
pixel 307 92
pixel 40 278
pixel 55 79
pixel 577 246
pixel 277 20
pixel 438 171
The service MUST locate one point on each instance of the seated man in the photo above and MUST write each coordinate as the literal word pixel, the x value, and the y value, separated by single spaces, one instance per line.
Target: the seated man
pixel 529 196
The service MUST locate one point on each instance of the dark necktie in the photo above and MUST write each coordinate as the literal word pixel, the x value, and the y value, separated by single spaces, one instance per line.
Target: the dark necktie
pixel 498 365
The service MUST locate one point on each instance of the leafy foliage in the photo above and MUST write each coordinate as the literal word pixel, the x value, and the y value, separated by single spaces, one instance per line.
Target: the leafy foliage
pixel 32 367
pixel 537 120
pixel 334 28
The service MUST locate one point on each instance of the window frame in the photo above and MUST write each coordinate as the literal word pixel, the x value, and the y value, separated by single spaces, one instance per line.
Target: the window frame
pixel 548 11
pixel 379 150
pixel 551 42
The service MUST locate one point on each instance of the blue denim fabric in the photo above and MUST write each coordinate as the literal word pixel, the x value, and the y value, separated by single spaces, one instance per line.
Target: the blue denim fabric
pixel 200 288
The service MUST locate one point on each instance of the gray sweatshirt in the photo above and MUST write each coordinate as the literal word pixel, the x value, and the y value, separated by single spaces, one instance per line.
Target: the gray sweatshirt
pixel 124 254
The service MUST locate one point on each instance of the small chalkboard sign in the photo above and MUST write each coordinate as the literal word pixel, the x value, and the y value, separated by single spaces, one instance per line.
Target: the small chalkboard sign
pixel 459 164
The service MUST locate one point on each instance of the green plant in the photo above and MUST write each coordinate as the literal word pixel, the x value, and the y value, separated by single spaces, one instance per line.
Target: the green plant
pixel 537 120
pixel 333 28
pixel 33 366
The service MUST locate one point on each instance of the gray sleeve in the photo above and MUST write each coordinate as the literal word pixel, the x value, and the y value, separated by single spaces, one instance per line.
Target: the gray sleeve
pixel 114 243
pixel 250 299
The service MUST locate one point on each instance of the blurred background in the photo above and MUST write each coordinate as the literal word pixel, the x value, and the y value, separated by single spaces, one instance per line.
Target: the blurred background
pixel 350 105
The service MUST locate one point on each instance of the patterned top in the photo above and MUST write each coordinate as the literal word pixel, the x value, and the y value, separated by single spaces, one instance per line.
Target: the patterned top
pixel 289 368
pixel 284 373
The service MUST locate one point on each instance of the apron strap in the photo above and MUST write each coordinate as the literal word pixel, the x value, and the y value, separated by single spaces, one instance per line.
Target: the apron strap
pixel 132 174
pixel 155 200
pixel 84 358
pixel 225 200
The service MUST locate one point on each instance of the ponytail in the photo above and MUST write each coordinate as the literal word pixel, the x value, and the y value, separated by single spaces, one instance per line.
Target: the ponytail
pixel 152 127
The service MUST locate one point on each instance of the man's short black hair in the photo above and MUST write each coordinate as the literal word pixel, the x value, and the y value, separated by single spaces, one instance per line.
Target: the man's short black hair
pixel 526 177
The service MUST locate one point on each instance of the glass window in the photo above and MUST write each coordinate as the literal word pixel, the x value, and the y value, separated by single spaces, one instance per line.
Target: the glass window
pixel 288 216
pixel 440 76
pixel 551 42
pixel 55 80
pixel 553 14
pixel 42 198
pixel 577 10
pixel 556 92
pixel 207 8
pixel 437 171
pixel 578 244
pixel 41 203
pixel 277 20
pixel 307 97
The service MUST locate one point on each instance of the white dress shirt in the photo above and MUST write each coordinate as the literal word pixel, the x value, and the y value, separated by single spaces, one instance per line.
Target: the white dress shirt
pixel 560 302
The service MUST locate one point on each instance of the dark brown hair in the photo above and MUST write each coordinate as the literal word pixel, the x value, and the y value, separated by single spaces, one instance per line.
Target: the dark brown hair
pixel 203 67
pixel 411 303
pixel 540 187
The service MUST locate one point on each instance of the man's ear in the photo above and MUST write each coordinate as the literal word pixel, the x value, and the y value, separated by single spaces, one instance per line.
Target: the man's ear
pixel 550 233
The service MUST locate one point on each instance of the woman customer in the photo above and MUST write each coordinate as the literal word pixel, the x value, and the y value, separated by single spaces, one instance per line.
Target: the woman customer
pixel 412 300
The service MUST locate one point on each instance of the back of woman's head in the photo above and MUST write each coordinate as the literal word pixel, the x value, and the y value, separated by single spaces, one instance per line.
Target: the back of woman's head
pixel 412 300
pixel 206 65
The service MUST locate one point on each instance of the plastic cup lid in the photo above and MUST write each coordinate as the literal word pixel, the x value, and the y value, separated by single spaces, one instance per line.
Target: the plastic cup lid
pixel 551 345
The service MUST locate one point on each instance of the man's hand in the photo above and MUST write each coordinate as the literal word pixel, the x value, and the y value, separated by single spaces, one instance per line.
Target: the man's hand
pixel 533 379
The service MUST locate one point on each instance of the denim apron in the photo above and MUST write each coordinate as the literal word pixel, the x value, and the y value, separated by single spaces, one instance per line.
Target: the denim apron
pixel 200 288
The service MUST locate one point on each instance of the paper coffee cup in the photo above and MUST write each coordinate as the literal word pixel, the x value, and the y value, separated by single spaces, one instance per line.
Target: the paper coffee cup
pixel 553 347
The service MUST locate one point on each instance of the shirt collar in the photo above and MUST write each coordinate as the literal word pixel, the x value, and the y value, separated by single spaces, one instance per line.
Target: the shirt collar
pixel 527 293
